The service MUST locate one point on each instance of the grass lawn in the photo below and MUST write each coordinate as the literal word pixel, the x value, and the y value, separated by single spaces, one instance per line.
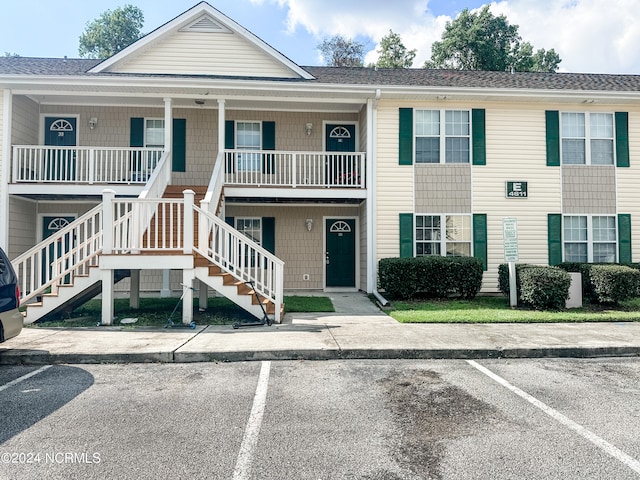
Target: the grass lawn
pixel 156 312
pixel 497 310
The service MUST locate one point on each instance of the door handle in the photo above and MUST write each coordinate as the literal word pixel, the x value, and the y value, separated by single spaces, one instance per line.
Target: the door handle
pixel 326 258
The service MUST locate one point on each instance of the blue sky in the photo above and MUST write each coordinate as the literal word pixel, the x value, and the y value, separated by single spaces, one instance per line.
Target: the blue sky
pixel 598 36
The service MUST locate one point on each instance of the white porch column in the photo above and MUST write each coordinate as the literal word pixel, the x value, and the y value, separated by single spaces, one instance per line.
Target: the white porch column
pixel 168 143
pixel 221 124
pixel 134 290
pixel 7 112
pixel 107 297
pixel 372 116
pixel 187 299
pixel 107 220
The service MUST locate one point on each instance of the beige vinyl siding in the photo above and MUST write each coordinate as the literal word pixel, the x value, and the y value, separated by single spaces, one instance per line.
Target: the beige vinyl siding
pixel 628 180
pixel 25 124
pixel 442 188
pixel 516 150
pixel 207 53
pixel 22 233
pixel 394 183
pixel 588 189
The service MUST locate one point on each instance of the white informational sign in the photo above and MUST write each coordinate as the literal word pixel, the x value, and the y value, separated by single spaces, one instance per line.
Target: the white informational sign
pixel 510 239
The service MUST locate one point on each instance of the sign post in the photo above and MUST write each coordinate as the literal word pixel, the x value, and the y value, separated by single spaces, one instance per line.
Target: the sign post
pixel 510 240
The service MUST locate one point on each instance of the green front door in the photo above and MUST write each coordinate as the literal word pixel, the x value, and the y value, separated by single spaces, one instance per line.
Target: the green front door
pixel 340 257
pixel 340 169
pixel 60 132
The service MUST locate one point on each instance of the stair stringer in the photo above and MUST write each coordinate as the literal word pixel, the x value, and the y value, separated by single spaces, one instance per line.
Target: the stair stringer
pixel 244 301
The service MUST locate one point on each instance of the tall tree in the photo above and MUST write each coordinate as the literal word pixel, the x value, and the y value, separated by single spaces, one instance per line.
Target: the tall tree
pixel 339 51
pixel 393 53
pixel 113 31
pixel 482 41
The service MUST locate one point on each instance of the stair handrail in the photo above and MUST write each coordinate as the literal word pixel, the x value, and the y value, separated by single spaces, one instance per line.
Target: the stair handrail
pixel 87 229
pixel 214 189
pixel 159 179
pixel 237 254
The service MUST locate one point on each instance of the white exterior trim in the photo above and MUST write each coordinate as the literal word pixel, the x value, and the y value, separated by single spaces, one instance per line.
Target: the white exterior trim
pixel 41 134
pixel 185 20
pixel 7 114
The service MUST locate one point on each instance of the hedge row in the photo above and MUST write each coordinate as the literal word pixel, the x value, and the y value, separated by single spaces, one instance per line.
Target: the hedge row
pixel 539 287
pixel 601 283
pixel 431 277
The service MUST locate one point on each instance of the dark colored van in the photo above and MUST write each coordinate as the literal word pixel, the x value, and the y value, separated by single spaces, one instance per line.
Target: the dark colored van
pixel 10 317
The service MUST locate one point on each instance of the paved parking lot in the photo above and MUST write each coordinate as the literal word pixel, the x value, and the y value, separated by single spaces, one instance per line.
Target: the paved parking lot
pixel 499 419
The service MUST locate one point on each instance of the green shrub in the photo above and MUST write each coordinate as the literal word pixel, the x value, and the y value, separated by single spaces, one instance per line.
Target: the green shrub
pixel 614 283
pixel 503 277
pixel 544 288
pixel 432 277
pixel 589 293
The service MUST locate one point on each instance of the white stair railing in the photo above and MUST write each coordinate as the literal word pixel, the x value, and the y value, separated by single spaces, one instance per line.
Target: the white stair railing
pixel 53 262
pixel 233 252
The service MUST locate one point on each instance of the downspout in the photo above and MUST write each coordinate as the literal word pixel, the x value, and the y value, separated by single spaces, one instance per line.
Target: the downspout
pixel 6 169
pixel 372 126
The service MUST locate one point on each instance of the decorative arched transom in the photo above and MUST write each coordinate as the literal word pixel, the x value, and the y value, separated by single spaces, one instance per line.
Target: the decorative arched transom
pixel 61 125
pixel 340 132
pixel 57 223
pixel 340 227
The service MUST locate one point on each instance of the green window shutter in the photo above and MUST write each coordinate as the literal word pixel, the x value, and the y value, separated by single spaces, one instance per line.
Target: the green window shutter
pixel 406 234
pixel 554 236
pixel 624 238
pixel 552 118
pixel 405 155
pixel 179 147
pixel 269 234
pixel 480 237
pixel 136 134
pixel 478 135
pixel 230 142
pixel 622 139
pixel 268 143
pixel 230 221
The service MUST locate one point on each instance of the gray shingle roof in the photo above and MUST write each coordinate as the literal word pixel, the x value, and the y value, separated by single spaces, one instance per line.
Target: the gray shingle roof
pixel 372 77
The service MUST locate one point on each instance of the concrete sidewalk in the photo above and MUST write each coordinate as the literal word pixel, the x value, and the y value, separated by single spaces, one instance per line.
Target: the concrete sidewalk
pixel 358 330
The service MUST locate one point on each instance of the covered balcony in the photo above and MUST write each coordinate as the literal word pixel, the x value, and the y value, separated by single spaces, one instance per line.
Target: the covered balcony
pixel 81 169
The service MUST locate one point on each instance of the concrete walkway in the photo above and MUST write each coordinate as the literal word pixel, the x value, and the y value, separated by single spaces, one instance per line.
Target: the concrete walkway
pixel 357 330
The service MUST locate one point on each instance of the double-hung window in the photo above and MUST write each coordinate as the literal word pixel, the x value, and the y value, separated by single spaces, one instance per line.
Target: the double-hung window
pixel 446 235
pixel 250 228
pixel 248 136
pixel 590 238
pixel 442 136
pixel 587 139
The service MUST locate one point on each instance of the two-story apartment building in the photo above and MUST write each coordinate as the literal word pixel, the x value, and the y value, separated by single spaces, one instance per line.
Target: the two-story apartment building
pixel 202 153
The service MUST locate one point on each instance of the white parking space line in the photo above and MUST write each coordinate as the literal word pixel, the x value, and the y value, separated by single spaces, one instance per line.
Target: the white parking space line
pixel 24 377
pixel 250 439
pixel 613 451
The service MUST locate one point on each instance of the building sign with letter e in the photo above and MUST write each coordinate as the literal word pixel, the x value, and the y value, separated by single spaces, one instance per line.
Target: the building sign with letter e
pixel 517 189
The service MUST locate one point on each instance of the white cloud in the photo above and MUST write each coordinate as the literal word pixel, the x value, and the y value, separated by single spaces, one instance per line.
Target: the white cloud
pixel 589 35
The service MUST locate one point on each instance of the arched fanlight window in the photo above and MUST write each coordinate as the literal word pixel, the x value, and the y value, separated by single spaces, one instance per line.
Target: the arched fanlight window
pixel 57 224
pixel 61 125
pixel 340 132
pixel 340 227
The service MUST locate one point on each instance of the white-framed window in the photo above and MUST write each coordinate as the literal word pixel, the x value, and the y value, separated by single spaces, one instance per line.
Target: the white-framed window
pixel 590 238
pixel 435 143
pixel 251 228
pixel 587 139
pixel 154 132
pixel 446 235
pixel 248 137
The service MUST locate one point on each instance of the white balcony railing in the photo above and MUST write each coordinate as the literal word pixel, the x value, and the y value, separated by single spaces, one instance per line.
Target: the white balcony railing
pixel 88 165
pixel 295 169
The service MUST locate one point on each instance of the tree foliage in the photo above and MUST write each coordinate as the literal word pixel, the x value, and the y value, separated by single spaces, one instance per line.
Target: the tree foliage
pixel 482 41
pixel 339 51
pixel 112 32
pixel 393 53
